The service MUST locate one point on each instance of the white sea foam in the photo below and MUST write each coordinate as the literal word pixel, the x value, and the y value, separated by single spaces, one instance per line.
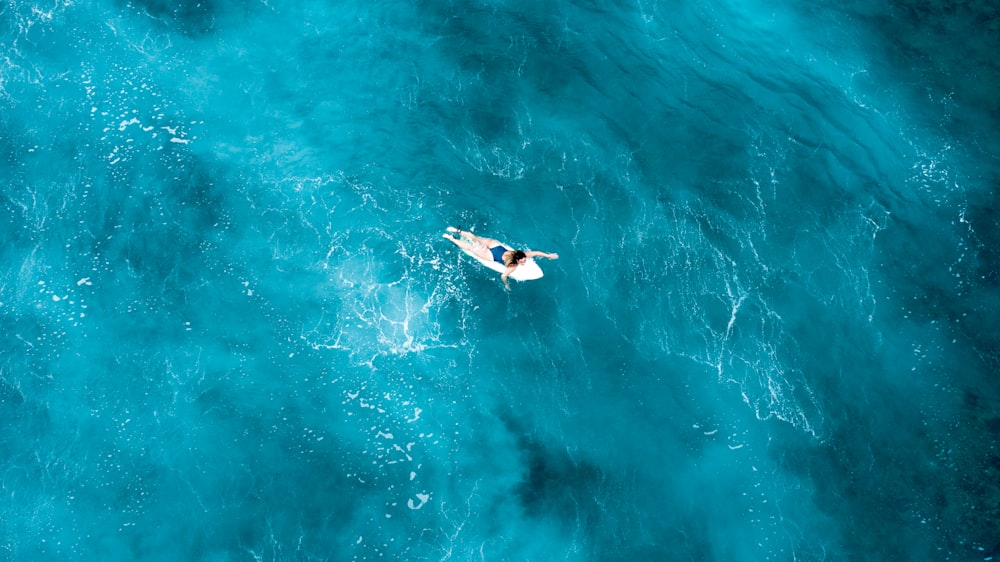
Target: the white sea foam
pixel 421 500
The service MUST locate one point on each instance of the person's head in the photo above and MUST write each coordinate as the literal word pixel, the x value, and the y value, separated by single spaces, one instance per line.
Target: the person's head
pixel 517 257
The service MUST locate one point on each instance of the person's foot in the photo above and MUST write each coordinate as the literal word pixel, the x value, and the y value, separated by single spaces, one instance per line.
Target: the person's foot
pixel 452 229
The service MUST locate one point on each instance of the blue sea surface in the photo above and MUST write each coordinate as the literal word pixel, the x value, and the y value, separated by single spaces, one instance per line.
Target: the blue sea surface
pixel 231 329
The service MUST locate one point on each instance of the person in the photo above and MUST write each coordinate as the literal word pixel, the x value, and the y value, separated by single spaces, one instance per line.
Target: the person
pixel 490 249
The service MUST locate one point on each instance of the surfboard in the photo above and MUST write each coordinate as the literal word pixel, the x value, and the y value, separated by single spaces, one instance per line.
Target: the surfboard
pixel 527 272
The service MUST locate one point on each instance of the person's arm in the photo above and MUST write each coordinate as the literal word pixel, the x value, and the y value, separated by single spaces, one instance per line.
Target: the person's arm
pixel 533 253
pixel 505 275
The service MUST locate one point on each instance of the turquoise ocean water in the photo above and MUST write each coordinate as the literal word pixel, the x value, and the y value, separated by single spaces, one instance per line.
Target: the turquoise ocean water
pixel 231 329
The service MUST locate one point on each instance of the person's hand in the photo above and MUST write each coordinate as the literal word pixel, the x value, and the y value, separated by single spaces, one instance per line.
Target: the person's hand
pixel 553 256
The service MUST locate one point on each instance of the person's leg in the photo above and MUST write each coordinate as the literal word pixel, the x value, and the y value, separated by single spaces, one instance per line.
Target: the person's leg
pixel 468 241
pixel 461 243
pixel 480 240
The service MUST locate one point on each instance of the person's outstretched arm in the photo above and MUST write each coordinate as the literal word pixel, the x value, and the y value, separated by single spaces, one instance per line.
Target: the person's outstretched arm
pixel 534 253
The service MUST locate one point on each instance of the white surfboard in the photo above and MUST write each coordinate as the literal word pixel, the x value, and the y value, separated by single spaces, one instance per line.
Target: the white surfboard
pixel 527 272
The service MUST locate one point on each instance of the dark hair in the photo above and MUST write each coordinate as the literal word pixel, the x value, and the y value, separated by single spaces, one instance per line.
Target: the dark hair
pixel 517 256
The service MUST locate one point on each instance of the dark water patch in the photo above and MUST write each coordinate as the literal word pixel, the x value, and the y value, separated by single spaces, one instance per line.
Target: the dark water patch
pixel 162 224
pixel 516 52
pixel 863 484
pixel 980 289
pixel 919 271
pixel 193 18
pixel 552 490
pixel 943 53
pixel 554 484
pixel 607 471
pixel 12 151
pixel 35 204
pixel 195 440
pixel 486 45
pixel 901 453
pixel 26 417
